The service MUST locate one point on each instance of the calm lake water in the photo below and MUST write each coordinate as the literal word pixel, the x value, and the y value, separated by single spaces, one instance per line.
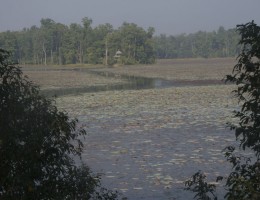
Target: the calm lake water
pixel 133 83
pixel 143 155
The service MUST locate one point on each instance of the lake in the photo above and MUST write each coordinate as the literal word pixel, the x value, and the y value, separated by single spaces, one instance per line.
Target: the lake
pixel 149 127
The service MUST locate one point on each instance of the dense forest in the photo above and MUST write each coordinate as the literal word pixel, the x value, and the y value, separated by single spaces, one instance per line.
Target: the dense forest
pixel 56 44
pixel 221 43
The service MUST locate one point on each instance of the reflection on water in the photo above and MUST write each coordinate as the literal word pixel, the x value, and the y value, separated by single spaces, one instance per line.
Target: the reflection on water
pixel 132 83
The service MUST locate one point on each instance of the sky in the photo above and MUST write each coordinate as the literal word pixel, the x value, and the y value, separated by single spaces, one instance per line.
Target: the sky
pixel 171 17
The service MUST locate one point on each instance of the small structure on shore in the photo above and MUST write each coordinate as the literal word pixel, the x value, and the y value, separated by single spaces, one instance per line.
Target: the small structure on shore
pixel 118 54
pixel 117 58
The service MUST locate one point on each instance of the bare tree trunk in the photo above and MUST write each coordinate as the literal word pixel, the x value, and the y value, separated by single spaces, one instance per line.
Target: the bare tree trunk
pixel 106 53
pixel 37 59
pixel 193 50
pixel 51 57
pixel 82 57
pixel 60 61
pixel 135 49
pixel 45 54
pixel 129 51
pixel 80 53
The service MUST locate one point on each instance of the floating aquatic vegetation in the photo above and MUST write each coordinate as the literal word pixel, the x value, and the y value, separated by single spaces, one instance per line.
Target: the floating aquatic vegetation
pixel 180 69
pixel 158 133
pixel 58 79
pixel 151 140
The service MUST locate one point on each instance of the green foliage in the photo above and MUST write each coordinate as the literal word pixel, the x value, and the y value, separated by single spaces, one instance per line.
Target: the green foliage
pixel 55 43
pixel 222 43
pixel 134 42
pixel 244 180
pixel 38 145
pixel 198 185
pixel 246 75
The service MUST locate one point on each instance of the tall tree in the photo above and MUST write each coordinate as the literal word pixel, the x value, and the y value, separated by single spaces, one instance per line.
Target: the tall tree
pixel 87 37
pixel 46 37
pixel 100 43
pixel 25 46
pixel 135 43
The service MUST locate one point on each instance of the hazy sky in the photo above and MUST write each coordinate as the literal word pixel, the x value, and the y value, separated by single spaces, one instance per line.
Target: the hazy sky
pixel 166 16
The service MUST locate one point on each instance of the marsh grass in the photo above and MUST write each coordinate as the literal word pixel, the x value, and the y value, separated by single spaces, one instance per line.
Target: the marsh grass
pixel 53 79
pixel 180 69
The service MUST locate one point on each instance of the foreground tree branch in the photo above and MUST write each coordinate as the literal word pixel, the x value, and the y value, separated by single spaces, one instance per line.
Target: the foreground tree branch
pixel 38 145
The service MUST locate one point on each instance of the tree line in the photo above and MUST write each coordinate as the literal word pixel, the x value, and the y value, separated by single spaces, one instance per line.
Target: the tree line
pixel 57 44
pixel 220 43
